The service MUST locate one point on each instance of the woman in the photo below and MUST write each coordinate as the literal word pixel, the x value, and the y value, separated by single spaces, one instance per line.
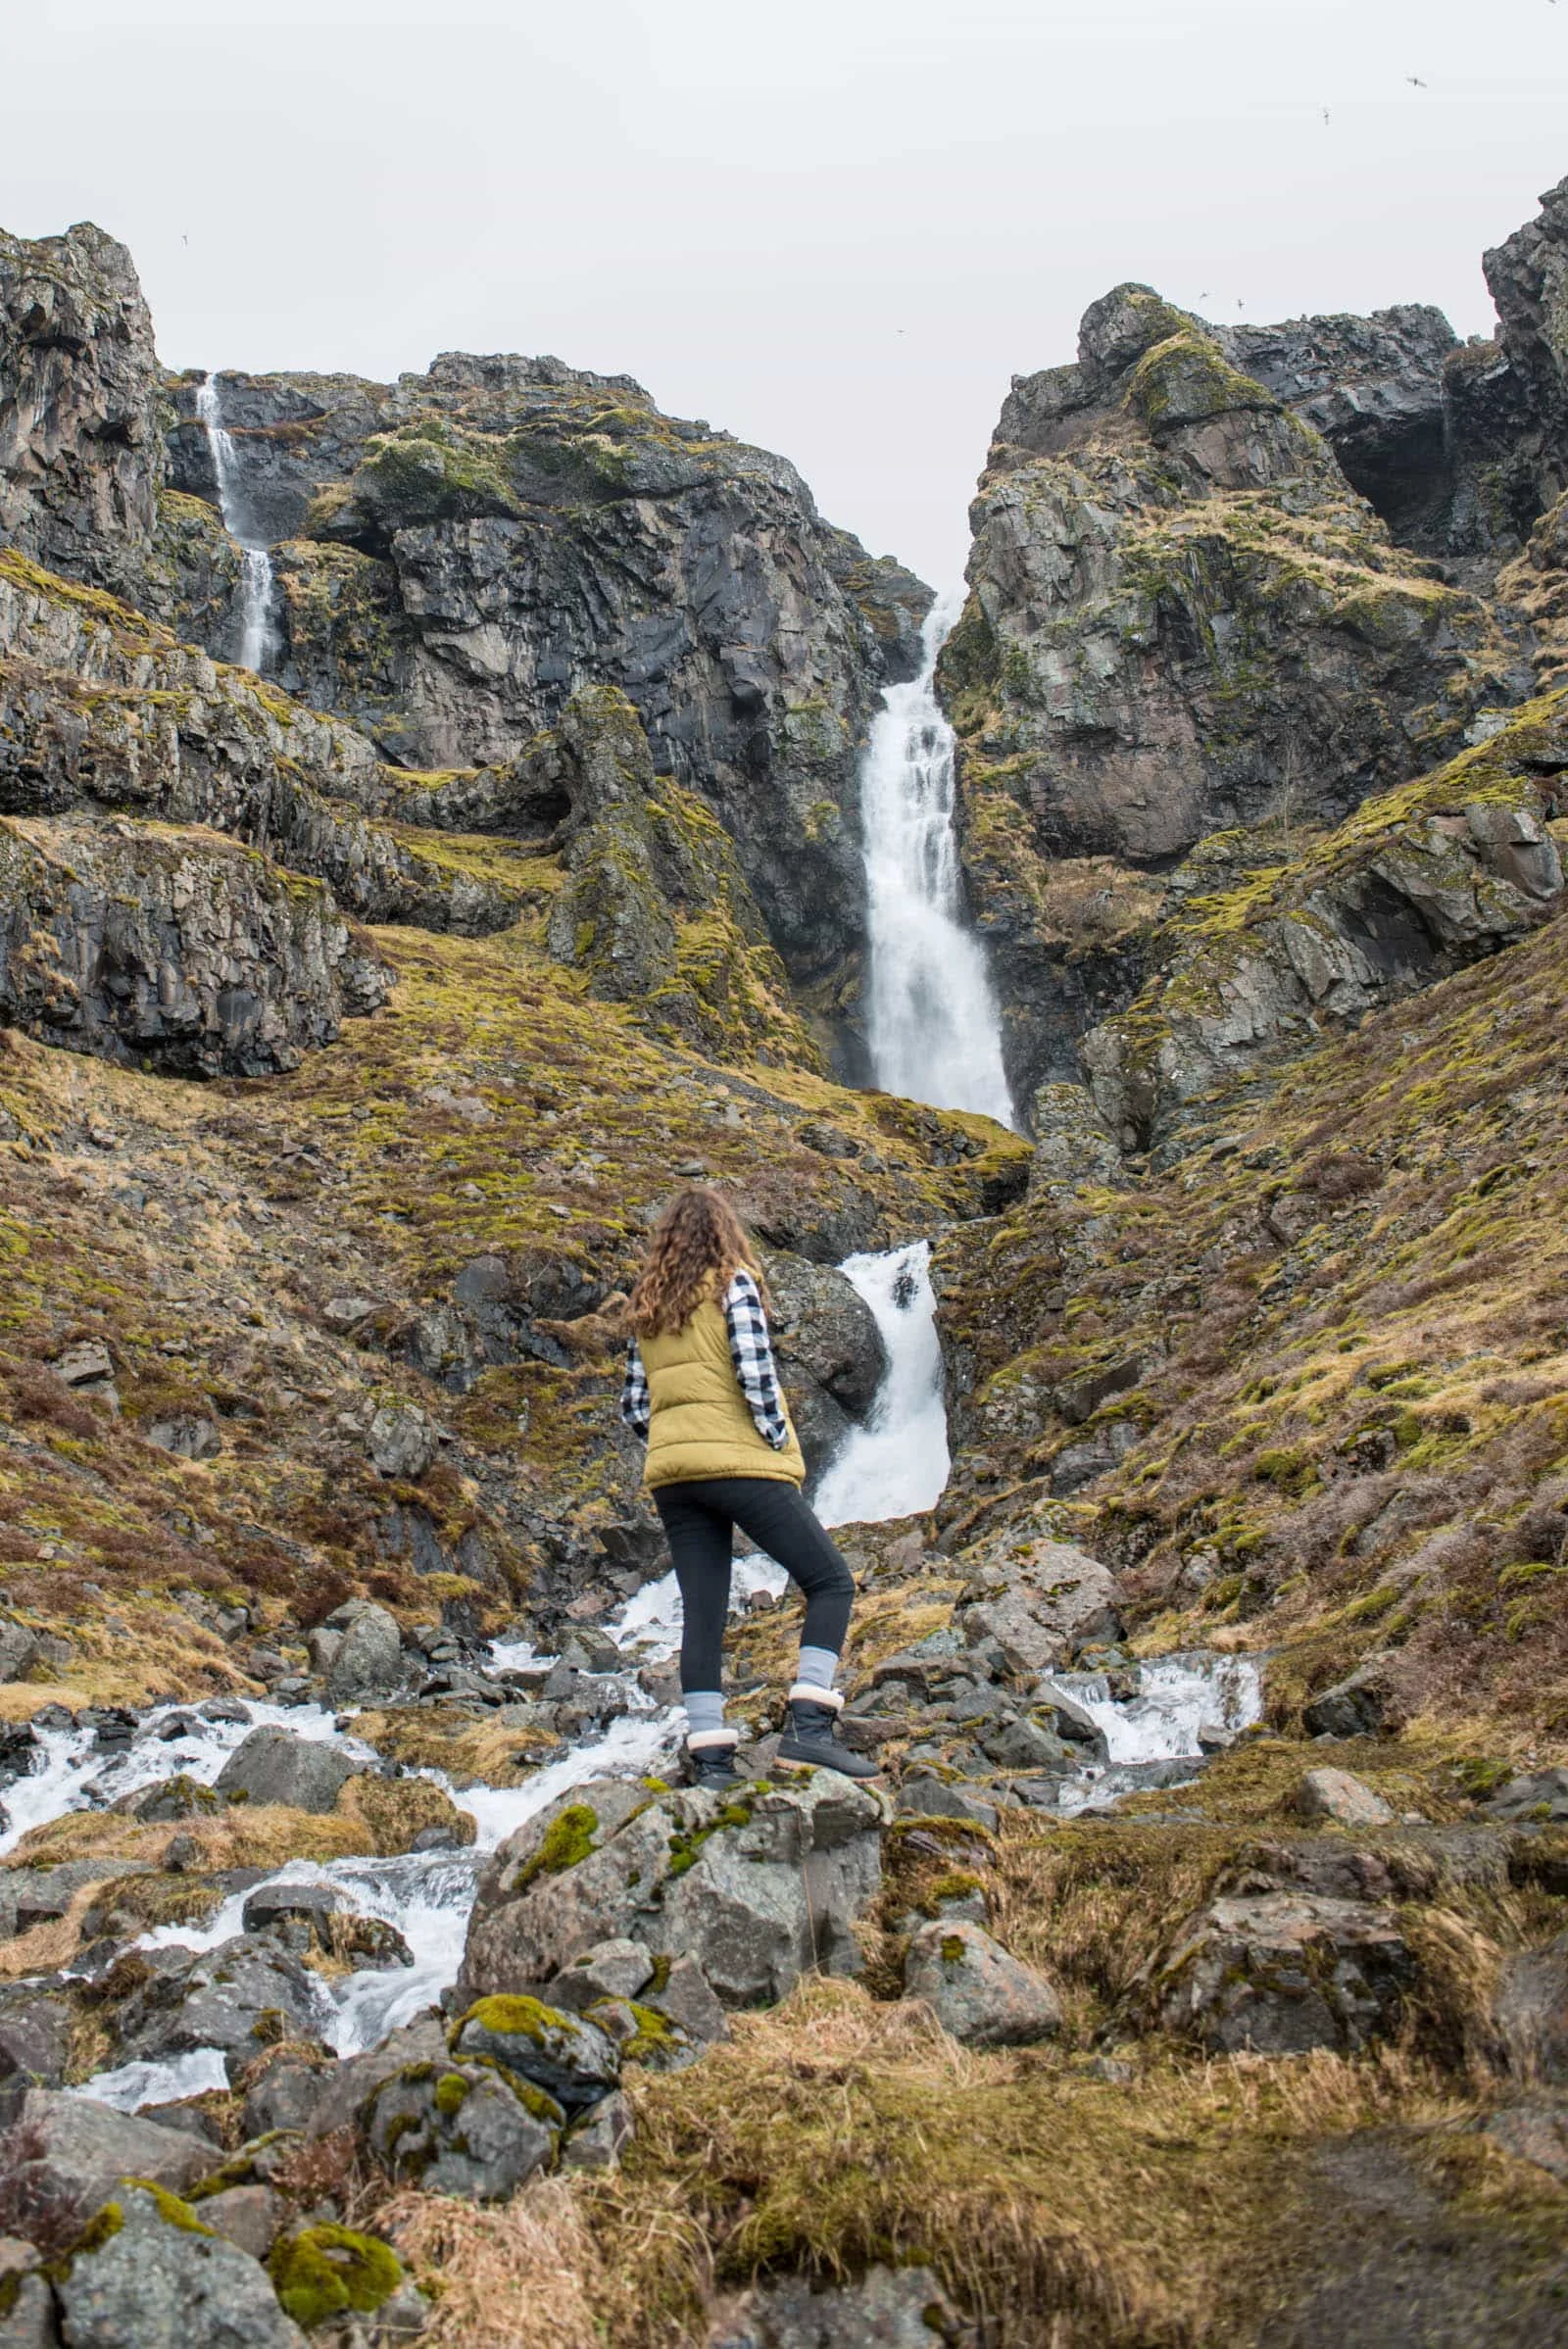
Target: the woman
pixel 701 1387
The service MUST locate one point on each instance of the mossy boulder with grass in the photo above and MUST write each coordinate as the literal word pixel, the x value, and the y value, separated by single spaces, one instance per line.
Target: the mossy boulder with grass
pixel 468 2127
pixel 150 2270
pixel 755 1891
pixel 567 2055
pixel 328 2270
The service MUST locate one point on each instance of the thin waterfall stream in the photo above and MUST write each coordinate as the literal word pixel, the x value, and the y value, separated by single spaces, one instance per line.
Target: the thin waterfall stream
pixel 934 1026
pixel 258 588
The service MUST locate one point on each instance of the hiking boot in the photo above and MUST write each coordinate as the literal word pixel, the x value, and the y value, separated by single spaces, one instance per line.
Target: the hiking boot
pixel 811 1736
pixel 712 1764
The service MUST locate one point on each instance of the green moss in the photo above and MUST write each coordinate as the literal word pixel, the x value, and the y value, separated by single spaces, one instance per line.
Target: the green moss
pixel 450 2091
pixel 686 1843
pixel 325 2270
pixel 101 2228
pixel 565 1842
pixel 511 2018
pixel 170 2209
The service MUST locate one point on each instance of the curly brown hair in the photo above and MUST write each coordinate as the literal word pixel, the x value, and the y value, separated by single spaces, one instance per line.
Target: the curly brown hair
pixel 699 1245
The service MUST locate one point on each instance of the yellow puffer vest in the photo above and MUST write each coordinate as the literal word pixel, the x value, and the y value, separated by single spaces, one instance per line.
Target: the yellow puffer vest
pixel 702 1424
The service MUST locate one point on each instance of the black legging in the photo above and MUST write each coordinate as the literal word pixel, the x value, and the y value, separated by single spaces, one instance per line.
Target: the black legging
pixel 699 1515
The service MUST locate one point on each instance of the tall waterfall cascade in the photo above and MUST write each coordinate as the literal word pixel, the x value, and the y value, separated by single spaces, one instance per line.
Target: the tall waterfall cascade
pixel 896 1463
pixel 935 1030
pixel 258 637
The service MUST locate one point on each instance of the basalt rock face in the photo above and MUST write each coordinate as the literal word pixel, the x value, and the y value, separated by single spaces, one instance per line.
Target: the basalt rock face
pixel 467 548
pixel 81 410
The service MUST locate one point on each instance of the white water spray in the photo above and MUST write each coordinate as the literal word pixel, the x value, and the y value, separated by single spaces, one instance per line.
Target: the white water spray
pixel 259 639
pixel 935 1032
pixel 896 1463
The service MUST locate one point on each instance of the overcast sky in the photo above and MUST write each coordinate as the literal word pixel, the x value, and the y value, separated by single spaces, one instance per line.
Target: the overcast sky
pixel 833 226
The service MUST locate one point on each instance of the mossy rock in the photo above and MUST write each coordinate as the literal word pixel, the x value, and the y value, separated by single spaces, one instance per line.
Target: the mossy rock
pixel 330 2271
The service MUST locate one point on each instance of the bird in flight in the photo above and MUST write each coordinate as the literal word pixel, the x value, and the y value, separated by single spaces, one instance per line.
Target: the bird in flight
pixel 1325 114
pixel 1415 81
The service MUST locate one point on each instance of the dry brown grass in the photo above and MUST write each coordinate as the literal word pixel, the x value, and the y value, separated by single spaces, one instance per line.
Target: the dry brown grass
pixel 1072 2212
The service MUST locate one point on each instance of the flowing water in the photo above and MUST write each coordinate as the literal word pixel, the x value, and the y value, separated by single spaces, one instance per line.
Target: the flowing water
pixel 896 1463
pixel 258 623
pixel 934 1028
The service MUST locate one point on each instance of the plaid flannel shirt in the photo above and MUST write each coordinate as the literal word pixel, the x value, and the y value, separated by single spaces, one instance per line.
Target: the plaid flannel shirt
pixel 751 1354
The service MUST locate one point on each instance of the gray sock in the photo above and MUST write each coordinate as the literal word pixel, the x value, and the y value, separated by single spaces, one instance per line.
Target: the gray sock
pixel 705 1710
pixel 816 1667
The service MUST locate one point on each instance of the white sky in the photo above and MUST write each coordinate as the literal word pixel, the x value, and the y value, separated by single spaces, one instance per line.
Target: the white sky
pixel 834 227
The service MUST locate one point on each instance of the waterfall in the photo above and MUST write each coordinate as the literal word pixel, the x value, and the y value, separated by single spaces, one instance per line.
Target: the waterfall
pixel 896 1463
pixel 258 639
pixel 935 1032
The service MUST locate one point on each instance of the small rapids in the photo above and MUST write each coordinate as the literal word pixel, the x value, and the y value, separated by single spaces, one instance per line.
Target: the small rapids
pixel 1152 1738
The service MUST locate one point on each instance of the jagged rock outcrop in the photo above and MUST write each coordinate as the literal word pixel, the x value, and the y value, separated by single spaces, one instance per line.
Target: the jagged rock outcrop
pixel 655 908
pixel 179 951
pixel 467 548
pixel 1456 868
pixel 1182 619
pixel 81 410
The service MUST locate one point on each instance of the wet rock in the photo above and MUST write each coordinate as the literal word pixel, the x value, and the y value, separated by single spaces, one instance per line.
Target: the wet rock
pixel 459 2129
pixel 290 1904
pixel 1035 1601
pixel 977 1991
pixel 239 1997
pixel 1284 1971
pixel 369 1662
pixel 158 2280
pixel 757 1890
pixel 402 1441
pixel 1338 1798
pixel 567 2055
pixel 274 1766
pixel 1363 1705
pixel 888 2308
pixel 598 2140
pixel 1532 2012
pixel 69 2152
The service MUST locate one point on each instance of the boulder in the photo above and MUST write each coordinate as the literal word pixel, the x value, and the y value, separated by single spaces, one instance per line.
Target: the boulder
pixel 612 1970
pixel 687 2000
pixel 36 2026
pixel 369 1662
pixel 599 2138
pixel 755 1891
pixel 460 2128
pixel 253 2216
pixel 1037 1600
pixel 1284 1972
pixel 925 1795
pixel 402 1441
pixel 1541 1794
pixel 69 2152
pixel 1532 2012
pixel 188 1434
pixel 1335 1796
pixel 1363 1705
pixel 237 1997
pixel 158 2278
pixel 18 1651
pixel 346 2087
pixel 274 1766
pixel 567 2055
pixel 976 1989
